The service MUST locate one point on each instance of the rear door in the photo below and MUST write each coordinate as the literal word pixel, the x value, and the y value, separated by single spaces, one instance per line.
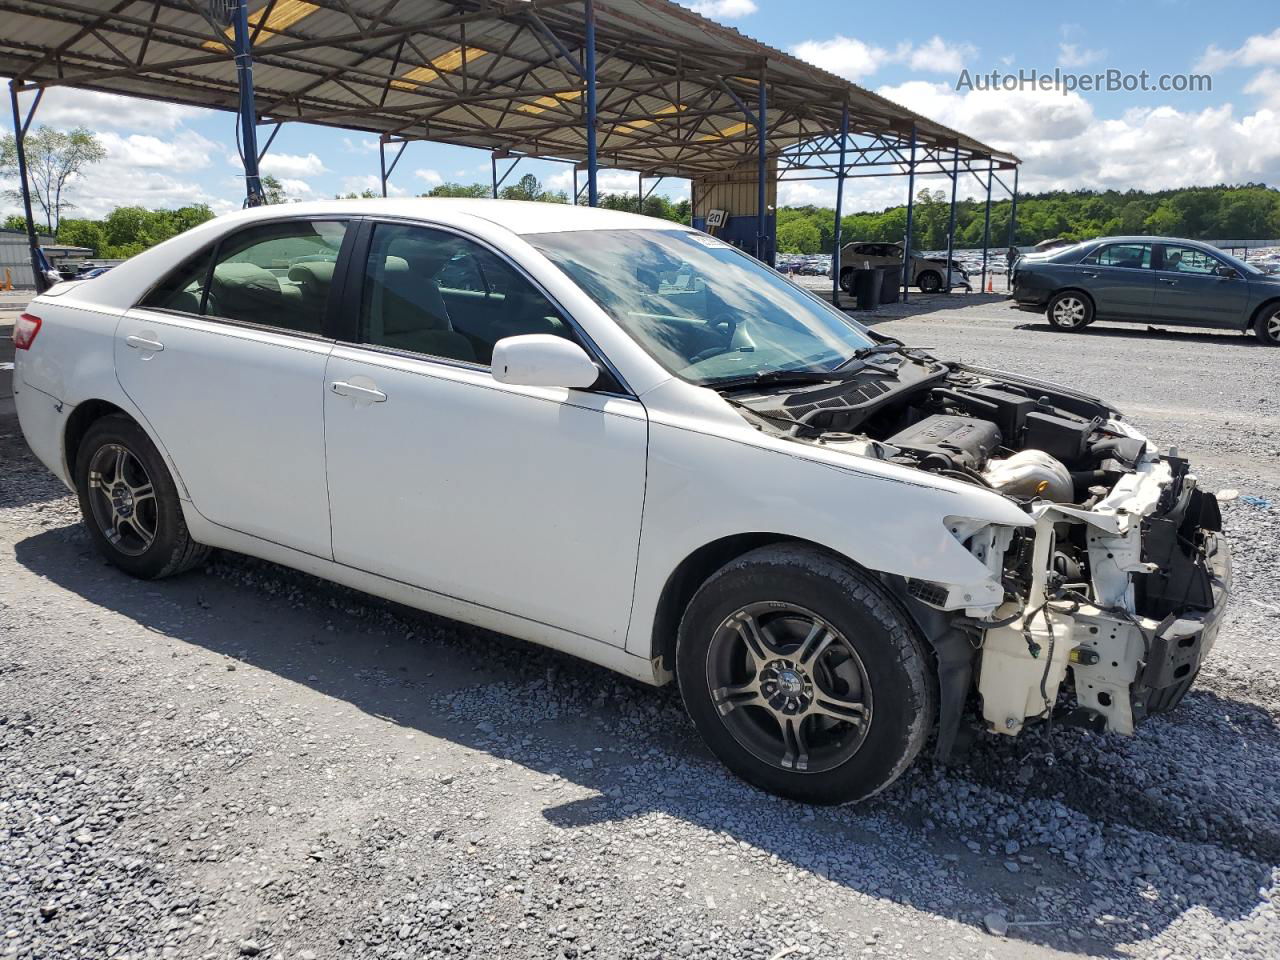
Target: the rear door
pixel 1189 290
pixel 1119 278
pixel 226 358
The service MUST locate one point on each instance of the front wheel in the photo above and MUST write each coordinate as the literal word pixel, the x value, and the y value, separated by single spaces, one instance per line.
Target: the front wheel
pixel 1070 311
pixel 804 677
pixel 929 282
pixel 130 503
pixel 1267 326
pixel 846 280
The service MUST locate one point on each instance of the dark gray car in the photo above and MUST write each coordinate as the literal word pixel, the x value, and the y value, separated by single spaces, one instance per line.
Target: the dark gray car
pixel 1148 280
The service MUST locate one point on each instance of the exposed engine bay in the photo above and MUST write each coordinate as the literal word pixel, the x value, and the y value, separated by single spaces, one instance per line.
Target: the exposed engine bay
pixel 1114 589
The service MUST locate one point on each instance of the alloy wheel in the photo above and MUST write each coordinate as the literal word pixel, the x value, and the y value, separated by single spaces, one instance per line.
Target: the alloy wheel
pixel 1069 312
pixel 1273 327
pixel 789 687
pixel 123 499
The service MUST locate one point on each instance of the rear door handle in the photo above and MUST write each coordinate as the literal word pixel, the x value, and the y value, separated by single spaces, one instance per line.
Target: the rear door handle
pixel 1169 280
pixel 142 343
pixel 355 391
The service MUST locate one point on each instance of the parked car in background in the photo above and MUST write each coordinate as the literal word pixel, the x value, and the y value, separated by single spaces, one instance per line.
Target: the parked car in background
pixel 927 273
pixel 1148 280
pixel 629 441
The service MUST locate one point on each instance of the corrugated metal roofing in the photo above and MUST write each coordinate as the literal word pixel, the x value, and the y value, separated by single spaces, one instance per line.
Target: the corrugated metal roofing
pixel 478 73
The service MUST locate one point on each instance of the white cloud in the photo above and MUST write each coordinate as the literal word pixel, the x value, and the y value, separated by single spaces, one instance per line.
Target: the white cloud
pixel 724 9
pixel 289 164
pixel 1074 55
pixel 293 187
pixel 432 177
pixel 1266 85
pixel 370 181
pixel 363 145
pixel 1066 146
pixel 1259 49
pixel 64 107
pixel 853 59
pixel 185 151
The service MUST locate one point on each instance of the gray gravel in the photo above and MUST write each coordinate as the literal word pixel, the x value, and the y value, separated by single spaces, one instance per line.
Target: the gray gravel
pixel 248 762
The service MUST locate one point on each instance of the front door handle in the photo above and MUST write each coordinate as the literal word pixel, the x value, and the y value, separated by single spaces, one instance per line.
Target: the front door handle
pixel 142 343
pixel 355 391
pixel 1091 273
pixel 1169 280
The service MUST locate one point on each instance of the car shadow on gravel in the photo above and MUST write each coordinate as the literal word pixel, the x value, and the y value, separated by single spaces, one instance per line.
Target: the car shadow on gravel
pixel 1142 331
pixel 1078 842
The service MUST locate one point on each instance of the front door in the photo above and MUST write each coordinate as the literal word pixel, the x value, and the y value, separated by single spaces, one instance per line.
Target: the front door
pixel 1190 290
pixel 526 500
pixel 1120 280
pixel 226 360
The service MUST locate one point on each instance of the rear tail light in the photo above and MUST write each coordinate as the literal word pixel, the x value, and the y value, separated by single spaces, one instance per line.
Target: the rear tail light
pixel 25 330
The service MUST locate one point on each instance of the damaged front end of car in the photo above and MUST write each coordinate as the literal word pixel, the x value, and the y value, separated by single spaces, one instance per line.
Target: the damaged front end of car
pixel 1100 608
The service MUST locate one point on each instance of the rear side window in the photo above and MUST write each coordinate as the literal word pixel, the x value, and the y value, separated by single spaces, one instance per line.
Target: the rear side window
pixel 1135 256
pixel 183 289
pixel 273 275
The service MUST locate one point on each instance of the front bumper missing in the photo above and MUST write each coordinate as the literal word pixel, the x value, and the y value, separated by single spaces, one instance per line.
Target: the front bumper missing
pixel 1130 641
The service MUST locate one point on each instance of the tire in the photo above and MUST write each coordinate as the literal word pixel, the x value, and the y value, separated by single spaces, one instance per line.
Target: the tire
pixel 930 281
pixel 1267 327
pixel 142 533
pixel 846 280
pixel 863 704
pixel 1069 310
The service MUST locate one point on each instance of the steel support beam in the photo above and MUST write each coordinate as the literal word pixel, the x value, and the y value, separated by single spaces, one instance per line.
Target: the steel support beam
pixel 911 205
pixel 986 232
pixel 762 168
pixel 1013 210
pixel 19 136
pixel 951 218
pixel 839 237
pixel 385 171
pixel 589 19
pixel 248 119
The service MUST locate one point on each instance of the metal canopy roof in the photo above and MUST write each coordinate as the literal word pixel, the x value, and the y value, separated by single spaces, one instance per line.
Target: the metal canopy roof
pixel 676 90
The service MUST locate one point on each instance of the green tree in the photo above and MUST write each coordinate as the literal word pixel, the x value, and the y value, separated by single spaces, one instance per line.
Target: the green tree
pixel 55 159
pixel 15 221
pixel 273 190
pixel 476 191
pixel 83 233
pixel 799 236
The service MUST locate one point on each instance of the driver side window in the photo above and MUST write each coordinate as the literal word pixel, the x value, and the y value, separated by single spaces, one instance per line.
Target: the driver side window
pixel 1189 260
pixel 440 294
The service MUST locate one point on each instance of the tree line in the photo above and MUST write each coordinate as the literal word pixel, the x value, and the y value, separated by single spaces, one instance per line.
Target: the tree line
pixel 1247 212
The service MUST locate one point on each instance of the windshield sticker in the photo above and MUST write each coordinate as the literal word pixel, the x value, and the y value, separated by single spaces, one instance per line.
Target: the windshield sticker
pixel 708 241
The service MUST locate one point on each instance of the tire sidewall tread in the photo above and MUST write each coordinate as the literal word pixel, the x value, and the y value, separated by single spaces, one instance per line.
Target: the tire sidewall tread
pixel 892 652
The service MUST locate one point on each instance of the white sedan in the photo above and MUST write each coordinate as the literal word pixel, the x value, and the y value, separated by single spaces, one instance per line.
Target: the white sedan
pixel 625 439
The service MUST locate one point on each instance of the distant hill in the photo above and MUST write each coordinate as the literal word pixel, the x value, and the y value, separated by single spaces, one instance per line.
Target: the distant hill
pixel 1250 211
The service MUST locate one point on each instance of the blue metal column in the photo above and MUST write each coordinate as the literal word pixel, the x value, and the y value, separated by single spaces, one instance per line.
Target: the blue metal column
pixel 248 118
pixel 19 136
pixel 839 237
pixel 911 205
pixel 589 16
pixel 382 165
pixel 986 229
pixel 1013 211
pixel 951 220
pixel 762 169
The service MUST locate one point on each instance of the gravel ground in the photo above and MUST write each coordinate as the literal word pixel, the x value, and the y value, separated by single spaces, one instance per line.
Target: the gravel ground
pixel 246 761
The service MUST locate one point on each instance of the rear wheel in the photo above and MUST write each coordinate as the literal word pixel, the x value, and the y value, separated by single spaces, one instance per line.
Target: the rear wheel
pixel 803 676
pixel 1070 310
pixel 130 503
pixel 929 282
pixel 846 280
pixel 1267 326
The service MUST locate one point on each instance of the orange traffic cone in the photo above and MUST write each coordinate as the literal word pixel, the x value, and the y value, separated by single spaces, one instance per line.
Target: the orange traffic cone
pixel 990 284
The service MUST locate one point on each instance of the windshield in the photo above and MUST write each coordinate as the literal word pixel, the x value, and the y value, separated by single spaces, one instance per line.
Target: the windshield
pixel 1241 265
pixel 705 311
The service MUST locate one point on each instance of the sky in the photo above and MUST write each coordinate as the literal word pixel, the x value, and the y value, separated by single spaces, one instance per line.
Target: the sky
pixel 166 156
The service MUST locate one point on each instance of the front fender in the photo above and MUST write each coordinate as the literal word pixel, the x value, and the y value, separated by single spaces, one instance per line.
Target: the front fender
pixel 703 487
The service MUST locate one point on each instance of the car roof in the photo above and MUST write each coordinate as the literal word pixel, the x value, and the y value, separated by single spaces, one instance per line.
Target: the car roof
pixel 518 216
pixel 1148 239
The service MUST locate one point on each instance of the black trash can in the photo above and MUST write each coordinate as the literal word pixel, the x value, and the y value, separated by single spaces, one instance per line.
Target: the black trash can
pixel 891 286
pixel 866 288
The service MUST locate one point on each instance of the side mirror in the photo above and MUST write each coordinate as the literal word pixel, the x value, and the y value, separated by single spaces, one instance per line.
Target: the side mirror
pixel 1229 273
pixel 543 360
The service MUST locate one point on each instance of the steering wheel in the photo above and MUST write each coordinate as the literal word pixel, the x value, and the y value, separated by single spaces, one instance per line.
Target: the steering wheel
pixel 722 323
